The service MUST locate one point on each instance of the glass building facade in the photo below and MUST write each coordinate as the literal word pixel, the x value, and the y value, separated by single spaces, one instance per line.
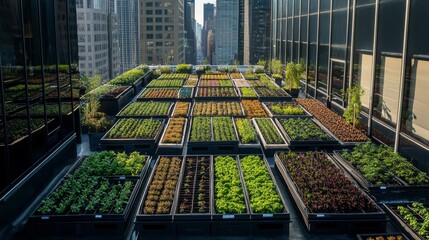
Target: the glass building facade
pixel 38 85
pixel 381 45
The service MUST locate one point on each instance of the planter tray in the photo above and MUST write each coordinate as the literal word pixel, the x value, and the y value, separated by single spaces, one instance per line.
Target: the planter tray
pixel 164 99
pixel 166 218
pixel 332 222
pixel 231 217
pixel 146 146
pixel 267 216
pixel 384 235
pixel 286 98
pixel 387 193
pixel 141 175
pixel 399 222
pixel 266 145
pixel 118 116
pixel 111 106
pixel 186 99
pixel 271 114
pixel 188 113
pixel 173 146
pixel 195 217
pixel 332 142
pixel 236 97
pixel 217 100
pixel 248 97
pixel 86 224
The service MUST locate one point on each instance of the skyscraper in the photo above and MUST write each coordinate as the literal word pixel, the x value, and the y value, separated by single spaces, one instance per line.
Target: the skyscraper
pixel 190 46
pixel 257 22
pixel 162 29
pixel 209 11
pixel 227 31
pixel 241 26
pixel 129 33
pixel 97 38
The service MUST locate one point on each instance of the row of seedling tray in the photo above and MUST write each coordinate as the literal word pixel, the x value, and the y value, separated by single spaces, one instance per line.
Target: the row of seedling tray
pixel 219 195
pixel 96 197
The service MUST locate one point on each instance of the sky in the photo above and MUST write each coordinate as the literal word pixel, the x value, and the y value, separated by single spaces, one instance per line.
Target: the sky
pixel 199 9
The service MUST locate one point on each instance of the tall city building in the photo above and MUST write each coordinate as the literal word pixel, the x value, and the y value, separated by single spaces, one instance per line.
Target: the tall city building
pixel 98 38
pixel 162 32
pixel 190 44
pixel 390 64
pixel 208 24
pixel 128 33
pixel 241 26
pixel 227 31
pixel 38 48
pixel 257 27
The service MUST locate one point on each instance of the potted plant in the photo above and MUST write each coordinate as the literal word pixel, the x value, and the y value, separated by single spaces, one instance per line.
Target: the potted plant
pixel 352 112
pixel 96 122
pixel 293 75
pixel 276 69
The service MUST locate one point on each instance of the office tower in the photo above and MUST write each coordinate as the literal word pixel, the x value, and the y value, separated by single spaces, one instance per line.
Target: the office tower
pixel 190 44
pixel 198 35
pixel 241 26
pixel 162 32
pixel 97 38
pixel 257 23
pixel 208 24
pixel 340 51
pixel 128 33
pixel 227 31
pixel 39 60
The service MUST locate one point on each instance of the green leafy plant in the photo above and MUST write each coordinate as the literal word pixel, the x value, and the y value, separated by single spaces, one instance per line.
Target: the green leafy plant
pixel 303 129
pixel 166 83
pixel 245 130
pixel 217 109
pixel 174 132
pixel 294 73
pixel 284 108
pixel 229 196
pixel 201 129
pixel 269 131
pixel 263 195
pixel 184 68
pixel 147 109
pixel 223 128
pixel 136 128
pixel 247 92
pixel 352 112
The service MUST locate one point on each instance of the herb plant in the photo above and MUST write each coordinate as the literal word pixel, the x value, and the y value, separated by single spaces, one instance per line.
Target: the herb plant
pixel 269 131
pixel 166 83
pixel 146 109
pixel 253 108
pixel 181 109
pixel 174 132
pixel 218 109
pixel 248 92
pixel 136 128
pixel 284 108
pixel 223 128
pixel 303 129
pixel 201 129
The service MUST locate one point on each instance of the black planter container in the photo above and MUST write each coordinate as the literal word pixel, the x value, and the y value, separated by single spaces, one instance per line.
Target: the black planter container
pixel 94 140
pixel 294 92
pixel 111 106
pixel 400 223
pixel 333 223
pixel 387 193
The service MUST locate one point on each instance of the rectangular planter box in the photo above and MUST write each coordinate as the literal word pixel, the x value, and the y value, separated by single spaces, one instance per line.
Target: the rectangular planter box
pixel 156 224
pixel 387 193
pixel 243 97
pixel 383 235
pixel 165 99
pixel 172 148
pixel 264 143
pixel 94 140
pixel 145 146
pixel 194 223
pixel 285 98
pixel 399 222
pixel 284 216
pixel 235 97
pixel 188 113
pixel 271 114
pixel 118 116
pixel 249 148
pixel 111 106
pixel 146 80
pixel 231 224
pixel 85 224
pixel 186 99
pixel 338 223
pixel 311 144
pixel 212 146
pixel 196 102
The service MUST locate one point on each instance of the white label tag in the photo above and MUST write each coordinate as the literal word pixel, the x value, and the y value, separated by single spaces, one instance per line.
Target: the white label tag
pixel 122 178
pixel 320 215
pixel 267 215
pixel 383 187
pixel 45 218
pixel 98 216
pixel 228 216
